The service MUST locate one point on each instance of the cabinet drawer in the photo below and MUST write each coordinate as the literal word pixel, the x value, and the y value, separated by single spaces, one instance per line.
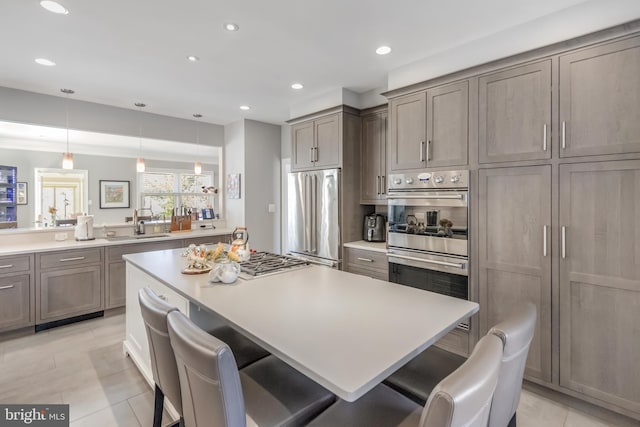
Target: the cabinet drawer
pixel 207 240
pixel 374 274
pixel 114 253
pixel 14 264
pixel 15 302
pixel 366 259
pixel 70 258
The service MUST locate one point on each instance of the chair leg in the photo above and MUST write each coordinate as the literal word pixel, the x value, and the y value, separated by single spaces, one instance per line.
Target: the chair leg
pixel 512 423
pixel 158 407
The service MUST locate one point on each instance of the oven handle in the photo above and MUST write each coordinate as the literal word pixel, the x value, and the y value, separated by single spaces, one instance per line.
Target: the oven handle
pixel 430 261
pixel 427 196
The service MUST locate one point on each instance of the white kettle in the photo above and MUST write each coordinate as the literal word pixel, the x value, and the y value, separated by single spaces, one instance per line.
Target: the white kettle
pixel 84 227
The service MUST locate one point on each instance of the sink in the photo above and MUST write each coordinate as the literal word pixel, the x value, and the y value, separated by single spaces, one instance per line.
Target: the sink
pixel 138 237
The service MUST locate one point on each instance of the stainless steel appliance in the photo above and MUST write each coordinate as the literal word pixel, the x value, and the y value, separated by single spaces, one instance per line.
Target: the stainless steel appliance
pixel 428 231
pixel 265 263
pixel 314 221
pixel 374 228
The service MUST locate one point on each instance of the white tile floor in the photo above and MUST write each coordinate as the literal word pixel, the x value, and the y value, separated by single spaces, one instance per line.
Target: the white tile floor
pixel 83 365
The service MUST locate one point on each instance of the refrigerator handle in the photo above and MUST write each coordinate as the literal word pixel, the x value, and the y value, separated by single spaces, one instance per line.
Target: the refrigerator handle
pixel 314 216
pixel 306 213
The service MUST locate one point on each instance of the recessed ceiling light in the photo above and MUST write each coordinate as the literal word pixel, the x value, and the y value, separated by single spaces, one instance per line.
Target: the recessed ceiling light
pixel 44 61
pixel 193 58
pixel 297 86
pixel 230 26
pixel 54 7
pixel 383 50
pixel 245 107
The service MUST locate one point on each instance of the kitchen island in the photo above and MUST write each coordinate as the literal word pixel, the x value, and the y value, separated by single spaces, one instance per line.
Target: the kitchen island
pixel 345 331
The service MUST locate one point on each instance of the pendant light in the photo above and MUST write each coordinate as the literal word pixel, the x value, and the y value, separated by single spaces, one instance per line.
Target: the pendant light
pixel 67 158
pixel 197 167
pixel 140 167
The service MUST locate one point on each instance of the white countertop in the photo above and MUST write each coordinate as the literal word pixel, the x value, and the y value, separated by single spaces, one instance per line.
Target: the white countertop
pixel 9 246
pixel 368 246
pixel 345 331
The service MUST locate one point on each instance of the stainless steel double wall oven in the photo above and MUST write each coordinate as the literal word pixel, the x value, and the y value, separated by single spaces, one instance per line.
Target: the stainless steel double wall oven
pixel 428 244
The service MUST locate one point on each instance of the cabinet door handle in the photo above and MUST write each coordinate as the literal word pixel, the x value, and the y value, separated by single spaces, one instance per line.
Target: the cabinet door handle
pixel 564 134
pixel 6 266
pixel 365 259
pixel 564 241
pixel 311 155
pixel 383 185
pixel 315 156
pixel 378 184
pixel 77 258
pixel 544 137
pixel 422 151
pixel 6 287
pixel 428 151
pixel 544 241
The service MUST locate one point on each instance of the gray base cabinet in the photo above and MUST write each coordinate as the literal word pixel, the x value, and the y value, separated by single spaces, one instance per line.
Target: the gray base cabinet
pixel 515 114
pixel 115 289
pixel 600 281
pixel 70 283
pixel 599 102
pixel 367 263
pixel 16 292
pixel 515 253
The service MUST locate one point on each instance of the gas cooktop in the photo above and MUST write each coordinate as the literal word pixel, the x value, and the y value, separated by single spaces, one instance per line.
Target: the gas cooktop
pixel 266 263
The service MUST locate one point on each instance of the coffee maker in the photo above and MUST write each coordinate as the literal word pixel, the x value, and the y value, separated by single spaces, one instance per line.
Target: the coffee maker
pixel 374 228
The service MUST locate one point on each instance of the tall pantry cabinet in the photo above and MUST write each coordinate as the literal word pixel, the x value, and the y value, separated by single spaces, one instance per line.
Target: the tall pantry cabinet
pixel 554 147
pixel 597 228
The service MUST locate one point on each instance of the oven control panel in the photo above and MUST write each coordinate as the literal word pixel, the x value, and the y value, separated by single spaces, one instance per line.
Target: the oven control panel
pixel 425 180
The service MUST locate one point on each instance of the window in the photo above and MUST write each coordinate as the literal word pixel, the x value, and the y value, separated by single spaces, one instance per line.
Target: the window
pixel 163 190
pixel 61 194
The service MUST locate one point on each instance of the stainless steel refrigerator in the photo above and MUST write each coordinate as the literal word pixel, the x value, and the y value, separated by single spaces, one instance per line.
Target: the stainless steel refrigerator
pixel 314 220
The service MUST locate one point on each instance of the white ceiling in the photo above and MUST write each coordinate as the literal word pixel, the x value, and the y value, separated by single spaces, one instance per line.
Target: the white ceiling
pixel 118 52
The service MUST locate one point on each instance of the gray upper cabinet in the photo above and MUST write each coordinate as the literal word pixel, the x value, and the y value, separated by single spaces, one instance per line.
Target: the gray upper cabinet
pixel 514 114
pixel 600 281
pixel 373 169
pixel 447 125
pixel 430 128
pixel 302 145
pixel 316 144
pixel 327 139
pixel 407 132
pixel 600 101
pixel 515 253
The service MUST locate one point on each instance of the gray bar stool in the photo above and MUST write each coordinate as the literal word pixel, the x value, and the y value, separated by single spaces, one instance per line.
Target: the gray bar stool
pixel 418 377
pixel 461 399
pixel 163 364
pixel 215 394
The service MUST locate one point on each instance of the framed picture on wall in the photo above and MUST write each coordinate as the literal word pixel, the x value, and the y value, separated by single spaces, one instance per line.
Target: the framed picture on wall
pixel 21 193
pixel 114 194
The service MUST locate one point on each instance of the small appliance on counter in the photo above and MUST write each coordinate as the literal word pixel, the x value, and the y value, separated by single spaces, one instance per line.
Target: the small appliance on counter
pixel 84 228
pixel 374 228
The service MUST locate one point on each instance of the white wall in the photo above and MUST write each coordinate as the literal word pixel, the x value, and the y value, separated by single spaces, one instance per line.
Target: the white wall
pixel 583 18
pixel 234 163
pixel 34 108
pixel 262 171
